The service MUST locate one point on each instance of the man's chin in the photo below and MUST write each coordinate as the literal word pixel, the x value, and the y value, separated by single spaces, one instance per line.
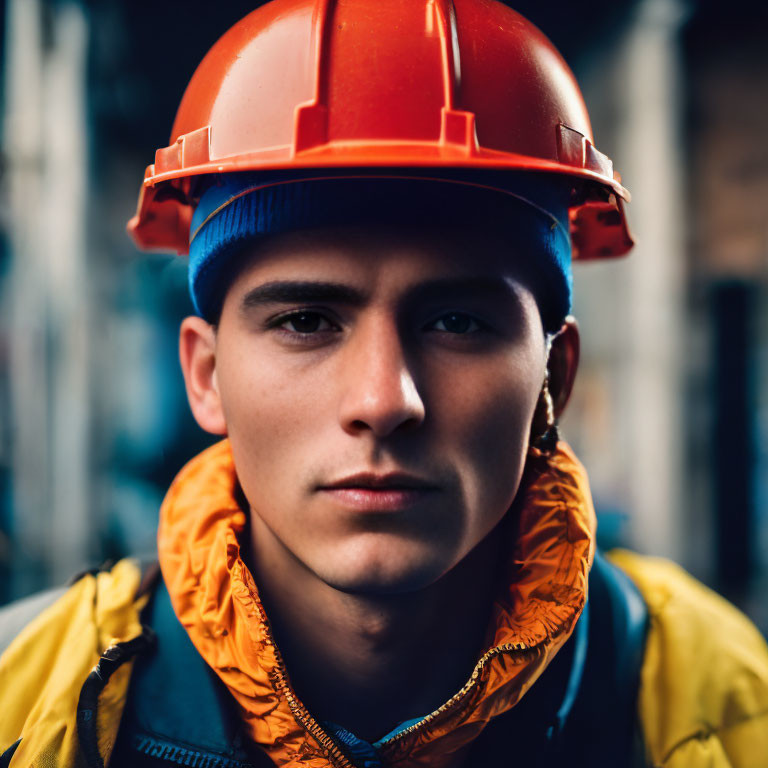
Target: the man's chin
pixel 374 579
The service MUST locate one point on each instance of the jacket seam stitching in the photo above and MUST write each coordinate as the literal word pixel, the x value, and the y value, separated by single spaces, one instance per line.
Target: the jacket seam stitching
pixel 707 731
pixel 145 743
pixel 143 732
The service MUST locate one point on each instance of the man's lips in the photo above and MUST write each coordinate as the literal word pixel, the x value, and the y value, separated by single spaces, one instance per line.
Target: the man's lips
pixel 368 492
pixel 390 480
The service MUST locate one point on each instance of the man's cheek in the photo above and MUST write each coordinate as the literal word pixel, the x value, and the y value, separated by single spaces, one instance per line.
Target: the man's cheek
pixel 496 417
pixel 493 439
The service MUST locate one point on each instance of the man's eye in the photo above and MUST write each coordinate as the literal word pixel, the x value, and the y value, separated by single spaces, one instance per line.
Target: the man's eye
pixel 304 322
pixel 455 322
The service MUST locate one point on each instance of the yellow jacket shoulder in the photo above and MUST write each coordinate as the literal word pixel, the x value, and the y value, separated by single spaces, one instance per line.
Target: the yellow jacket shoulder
pixel 39 700
pixel 704 681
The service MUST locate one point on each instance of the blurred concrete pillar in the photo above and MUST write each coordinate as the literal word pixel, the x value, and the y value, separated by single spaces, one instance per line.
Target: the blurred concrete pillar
pixel 47 290
pixel 627 417
pixel 26 298
pixel 65 245
pixel 649 153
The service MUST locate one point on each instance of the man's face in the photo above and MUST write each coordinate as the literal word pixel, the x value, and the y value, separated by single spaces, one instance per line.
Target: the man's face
pixel 378 391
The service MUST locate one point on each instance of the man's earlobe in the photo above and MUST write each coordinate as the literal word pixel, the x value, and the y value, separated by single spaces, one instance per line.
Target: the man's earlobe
pixel 197 353
pixel 562 364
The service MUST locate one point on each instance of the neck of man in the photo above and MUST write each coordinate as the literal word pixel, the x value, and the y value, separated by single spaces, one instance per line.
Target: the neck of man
pixel 369 662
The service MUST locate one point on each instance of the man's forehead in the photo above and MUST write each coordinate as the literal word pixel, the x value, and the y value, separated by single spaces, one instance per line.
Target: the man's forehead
pixel 347 265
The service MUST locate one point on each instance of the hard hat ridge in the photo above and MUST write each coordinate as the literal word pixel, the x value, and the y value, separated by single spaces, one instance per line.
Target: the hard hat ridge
pixel 442 84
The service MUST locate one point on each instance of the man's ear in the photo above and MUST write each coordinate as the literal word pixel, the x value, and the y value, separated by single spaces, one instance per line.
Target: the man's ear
pixel 562 364
pixel 197 352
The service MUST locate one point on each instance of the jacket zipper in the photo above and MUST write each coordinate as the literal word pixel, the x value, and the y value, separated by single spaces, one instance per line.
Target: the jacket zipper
pixel 337 758
pixel 468 686
pixel 280 680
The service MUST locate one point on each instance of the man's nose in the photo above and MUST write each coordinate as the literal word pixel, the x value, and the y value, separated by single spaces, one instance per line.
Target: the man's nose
pixel 379 389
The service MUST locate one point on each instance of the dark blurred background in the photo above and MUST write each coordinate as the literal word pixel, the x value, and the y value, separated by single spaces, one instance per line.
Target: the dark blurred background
pixel 670 415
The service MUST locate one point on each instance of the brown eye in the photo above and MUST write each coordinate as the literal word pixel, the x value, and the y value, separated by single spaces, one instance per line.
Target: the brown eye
pixel 305 322
pixel 456 322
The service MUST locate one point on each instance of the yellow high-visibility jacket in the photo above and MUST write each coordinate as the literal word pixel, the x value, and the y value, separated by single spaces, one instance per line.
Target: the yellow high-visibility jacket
pixel 703 697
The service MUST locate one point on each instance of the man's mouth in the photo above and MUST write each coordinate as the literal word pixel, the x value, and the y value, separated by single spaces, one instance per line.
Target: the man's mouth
pixel 370 492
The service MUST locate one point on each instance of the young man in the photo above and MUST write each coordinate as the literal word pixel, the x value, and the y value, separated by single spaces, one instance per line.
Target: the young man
pixel 387 560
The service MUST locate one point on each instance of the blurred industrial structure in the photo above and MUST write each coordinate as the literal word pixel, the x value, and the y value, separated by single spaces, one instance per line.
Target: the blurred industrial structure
pixel 669 414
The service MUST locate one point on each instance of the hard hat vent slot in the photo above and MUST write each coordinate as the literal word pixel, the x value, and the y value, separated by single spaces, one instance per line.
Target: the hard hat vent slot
pixel 574 148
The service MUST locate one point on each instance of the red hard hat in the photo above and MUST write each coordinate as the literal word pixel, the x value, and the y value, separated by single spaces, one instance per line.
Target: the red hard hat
pixel 315 84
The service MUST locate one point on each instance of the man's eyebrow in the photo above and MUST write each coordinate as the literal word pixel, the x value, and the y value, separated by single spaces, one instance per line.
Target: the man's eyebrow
pixel 319 292
pixel 301 291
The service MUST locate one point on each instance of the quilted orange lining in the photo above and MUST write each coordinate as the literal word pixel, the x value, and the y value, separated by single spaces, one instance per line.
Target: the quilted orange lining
pixel 216 599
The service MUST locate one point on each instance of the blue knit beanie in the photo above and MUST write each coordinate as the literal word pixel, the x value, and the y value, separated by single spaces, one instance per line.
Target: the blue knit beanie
pixel 237 209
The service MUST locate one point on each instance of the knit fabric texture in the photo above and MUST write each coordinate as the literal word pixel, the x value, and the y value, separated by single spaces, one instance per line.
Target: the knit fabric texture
pixel 526 212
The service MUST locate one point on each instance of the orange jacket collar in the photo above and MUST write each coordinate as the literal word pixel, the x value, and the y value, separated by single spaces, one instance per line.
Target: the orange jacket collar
pixel 217 601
